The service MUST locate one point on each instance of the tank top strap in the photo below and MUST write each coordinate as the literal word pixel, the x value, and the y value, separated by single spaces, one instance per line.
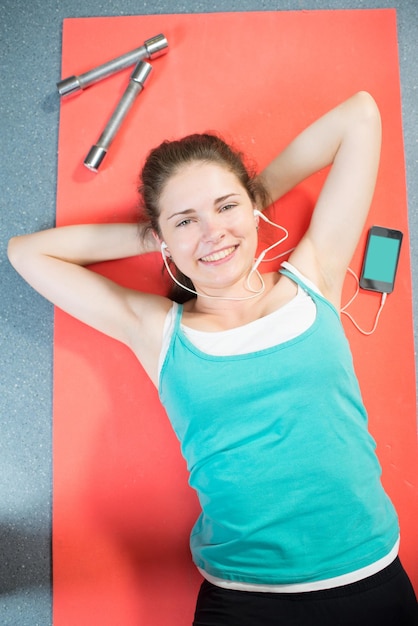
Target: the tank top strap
pixel 287 269
pixel 178 314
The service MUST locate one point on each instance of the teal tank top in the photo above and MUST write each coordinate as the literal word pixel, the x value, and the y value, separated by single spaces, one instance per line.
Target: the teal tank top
pixel 278 451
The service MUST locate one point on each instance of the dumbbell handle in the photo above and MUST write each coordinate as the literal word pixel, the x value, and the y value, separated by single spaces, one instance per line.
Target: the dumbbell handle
pixel 151 49
pixel 134 88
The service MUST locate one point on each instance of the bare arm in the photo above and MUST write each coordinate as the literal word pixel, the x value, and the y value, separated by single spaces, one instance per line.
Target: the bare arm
pixel 52 262
pixel 347 138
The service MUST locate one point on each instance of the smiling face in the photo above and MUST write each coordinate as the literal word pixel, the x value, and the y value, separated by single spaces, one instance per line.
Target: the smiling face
pixel 207 222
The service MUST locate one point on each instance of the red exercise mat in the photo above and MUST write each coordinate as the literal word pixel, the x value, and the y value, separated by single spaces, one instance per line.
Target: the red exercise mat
pixel 122 508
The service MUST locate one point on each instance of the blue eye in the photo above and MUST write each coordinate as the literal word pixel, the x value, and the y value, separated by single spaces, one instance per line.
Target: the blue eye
pixel 183 223
pixel 226 207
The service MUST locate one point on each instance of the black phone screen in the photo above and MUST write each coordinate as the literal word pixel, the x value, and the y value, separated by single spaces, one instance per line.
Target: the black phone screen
pixel 381 259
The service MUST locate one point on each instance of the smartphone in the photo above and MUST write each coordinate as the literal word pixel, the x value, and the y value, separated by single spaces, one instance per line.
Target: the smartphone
pixel 381 259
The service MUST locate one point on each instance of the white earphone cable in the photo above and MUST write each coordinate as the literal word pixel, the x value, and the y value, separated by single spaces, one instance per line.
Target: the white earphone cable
pixel 261 258
pixel 343 309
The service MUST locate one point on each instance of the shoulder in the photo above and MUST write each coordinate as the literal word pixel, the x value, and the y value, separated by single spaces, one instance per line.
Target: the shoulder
pixel 146 331
pixel 148 310
pixel 146 317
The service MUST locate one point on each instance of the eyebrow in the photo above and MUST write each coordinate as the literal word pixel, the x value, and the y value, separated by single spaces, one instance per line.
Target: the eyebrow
pixel 216 201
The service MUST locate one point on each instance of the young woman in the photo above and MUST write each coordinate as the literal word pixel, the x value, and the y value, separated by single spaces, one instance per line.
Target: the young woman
pixel 255 372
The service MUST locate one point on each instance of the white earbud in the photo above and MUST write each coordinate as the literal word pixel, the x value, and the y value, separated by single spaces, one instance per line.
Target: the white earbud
pixel 258 213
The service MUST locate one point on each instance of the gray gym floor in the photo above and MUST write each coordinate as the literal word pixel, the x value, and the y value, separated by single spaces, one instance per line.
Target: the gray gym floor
pixel 30 45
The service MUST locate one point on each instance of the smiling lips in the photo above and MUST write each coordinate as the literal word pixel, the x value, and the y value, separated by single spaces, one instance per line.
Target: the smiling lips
pixel 218 256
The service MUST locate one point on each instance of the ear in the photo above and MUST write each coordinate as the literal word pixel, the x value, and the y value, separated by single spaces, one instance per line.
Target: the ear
pixel 256 213
pixel 161 244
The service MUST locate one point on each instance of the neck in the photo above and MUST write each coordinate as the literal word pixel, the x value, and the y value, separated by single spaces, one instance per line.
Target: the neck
pixel 231 309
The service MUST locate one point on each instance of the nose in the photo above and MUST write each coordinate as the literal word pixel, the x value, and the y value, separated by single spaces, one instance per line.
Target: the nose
pixel 212 230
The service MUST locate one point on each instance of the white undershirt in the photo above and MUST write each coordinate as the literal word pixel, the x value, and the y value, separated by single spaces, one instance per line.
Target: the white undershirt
pixel 287 322
pixel 319 585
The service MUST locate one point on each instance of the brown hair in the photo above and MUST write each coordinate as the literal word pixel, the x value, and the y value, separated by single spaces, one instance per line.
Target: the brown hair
pixel 169 157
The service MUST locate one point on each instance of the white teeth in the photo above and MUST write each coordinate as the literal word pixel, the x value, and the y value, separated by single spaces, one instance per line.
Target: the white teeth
pixel 217 256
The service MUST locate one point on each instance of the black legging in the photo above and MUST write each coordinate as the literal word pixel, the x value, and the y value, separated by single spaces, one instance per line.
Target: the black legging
pixel 384 599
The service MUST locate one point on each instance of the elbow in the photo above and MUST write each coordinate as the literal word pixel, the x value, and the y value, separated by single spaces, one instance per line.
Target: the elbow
pixel 12 249
pixel 364 120
pixel 366 107
pixel 16 251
